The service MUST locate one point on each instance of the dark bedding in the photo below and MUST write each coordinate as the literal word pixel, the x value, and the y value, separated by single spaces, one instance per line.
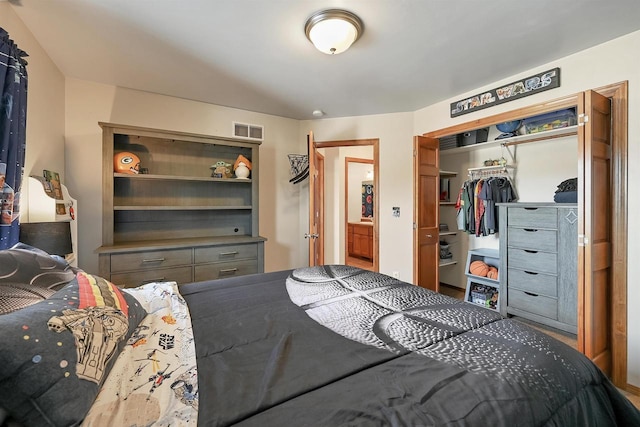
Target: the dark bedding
pixel 360 348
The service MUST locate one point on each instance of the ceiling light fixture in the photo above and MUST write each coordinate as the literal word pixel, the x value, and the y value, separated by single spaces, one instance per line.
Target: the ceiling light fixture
pixel 332 31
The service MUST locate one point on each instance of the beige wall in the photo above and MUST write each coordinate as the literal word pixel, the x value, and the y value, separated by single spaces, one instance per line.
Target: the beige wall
pixel 45 105
pixel 89 103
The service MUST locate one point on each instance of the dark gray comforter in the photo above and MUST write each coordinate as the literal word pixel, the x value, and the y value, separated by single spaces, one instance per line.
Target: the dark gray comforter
pixel 335 345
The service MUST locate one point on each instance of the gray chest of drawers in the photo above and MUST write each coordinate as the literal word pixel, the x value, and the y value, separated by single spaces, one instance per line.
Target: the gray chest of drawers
pixel 539 253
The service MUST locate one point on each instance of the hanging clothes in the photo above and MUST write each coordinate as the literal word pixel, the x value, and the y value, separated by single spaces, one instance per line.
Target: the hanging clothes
pixel 476 204
pixel 13 124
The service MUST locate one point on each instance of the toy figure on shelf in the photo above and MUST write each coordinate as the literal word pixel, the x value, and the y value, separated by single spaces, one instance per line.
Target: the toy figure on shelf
pixel 242 167
pixel 221 169
pixel 126 162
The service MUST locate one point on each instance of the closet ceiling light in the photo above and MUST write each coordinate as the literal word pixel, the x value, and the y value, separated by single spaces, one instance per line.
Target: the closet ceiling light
pixel 332 31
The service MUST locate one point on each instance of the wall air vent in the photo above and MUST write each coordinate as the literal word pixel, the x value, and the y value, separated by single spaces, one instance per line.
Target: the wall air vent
pixel 247 131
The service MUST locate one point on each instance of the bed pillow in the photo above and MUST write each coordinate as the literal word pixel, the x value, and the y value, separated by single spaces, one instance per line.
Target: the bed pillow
pixel 29 275
pixel 56 354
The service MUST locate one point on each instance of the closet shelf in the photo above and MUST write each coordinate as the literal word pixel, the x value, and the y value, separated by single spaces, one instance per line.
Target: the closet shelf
pixel 492 168
pixel 515 140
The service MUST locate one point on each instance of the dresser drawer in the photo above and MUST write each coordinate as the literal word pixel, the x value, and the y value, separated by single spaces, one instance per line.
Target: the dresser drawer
pixel 532 303
pixel 150 260
pixel 534 261
pixel 133 279
pixel 225 269
pixel 533 238
pixel 537 283
pixel 533 217
pixel 226 253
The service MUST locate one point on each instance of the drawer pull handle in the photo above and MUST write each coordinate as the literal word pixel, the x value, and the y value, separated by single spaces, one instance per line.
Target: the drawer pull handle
pixel 530 251
pixel 228 270
pixel 531 272
pixel 159 279
pixel 429 236
pixel 228 253
pixel 530 294
pixel 530 230
pixel 531 209
pixel 153 260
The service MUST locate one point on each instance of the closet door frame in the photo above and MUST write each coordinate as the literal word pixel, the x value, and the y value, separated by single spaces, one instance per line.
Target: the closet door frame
pixel 618 94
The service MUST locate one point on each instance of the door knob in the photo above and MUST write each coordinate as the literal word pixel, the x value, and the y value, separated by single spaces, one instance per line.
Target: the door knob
pixel 311 236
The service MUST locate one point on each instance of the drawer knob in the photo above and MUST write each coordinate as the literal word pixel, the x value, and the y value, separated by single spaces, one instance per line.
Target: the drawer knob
pixel 153 260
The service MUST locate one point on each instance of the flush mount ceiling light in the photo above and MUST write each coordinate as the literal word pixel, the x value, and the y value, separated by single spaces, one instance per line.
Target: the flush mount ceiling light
pixel 332 31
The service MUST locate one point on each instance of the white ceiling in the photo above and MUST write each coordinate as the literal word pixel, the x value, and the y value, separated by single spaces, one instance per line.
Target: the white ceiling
pixel 253 54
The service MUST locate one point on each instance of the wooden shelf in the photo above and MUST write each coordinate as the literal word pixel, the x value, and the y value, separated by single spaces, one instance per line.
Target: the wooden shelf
pixel 448 233
pixel 179 178
pixel 446 262
pixel 515 140
pixel 448 173
pixel 180 208
pixel 447 203
pixel 149 245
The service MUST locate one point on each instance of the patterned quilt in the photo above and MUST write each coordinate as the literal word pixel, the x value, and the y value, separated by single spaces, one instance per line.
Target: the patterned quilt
pixel 154 380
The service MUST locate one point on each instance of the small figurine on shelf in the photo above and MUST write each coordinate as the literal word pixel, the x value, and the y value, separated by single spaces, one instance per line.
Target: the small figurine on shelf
pixel 126 162
pixel 221 169
pixel 242 167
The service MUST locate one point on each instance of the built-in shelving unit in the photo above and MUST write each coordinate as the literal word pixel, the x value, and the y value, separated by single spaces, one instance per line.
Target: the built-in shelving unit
pixel 176 222
pixel 482 290
pixel 446 234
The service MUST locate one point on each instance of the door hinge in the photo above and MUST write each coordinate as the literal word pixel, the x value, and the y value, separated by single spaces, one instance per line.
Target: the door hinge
pixel 415 153
pixel 583 240
pixel 582 119
pixel 415 226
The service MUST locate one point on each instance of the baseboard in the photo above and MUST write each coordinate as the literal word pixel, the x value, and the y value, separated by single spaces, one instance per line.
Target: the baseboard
pixel 453 286
pixel 633 389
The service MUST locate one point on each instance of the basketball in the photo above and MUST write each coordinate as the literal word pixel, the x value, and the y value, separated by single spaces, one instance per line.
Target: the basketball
pixel 479 268
pixel 492 273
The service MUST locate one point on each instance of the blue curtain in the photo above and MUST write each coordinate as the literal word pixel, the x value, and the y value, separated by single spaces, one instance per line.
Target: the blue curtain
pixel 13 123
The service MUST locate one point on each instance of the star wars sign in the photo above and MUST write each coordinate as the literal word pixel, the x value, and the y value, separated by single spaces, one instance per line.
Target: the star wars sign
pixel 516 90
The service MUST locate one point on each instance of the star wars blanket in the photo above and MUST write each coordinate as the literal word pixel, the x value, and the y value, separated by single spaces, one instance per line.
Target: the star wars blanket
pixel 154 380
pixel 335 345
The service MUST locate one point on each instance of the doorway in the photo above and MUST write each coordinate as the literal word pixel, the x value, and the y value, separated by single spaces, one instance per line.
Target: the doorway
pixel 359 215
pixel 337 227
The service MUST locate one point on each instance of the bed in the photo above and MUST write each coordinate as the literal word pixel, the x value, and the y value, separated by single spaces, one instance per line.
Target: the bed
pixel 319 346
